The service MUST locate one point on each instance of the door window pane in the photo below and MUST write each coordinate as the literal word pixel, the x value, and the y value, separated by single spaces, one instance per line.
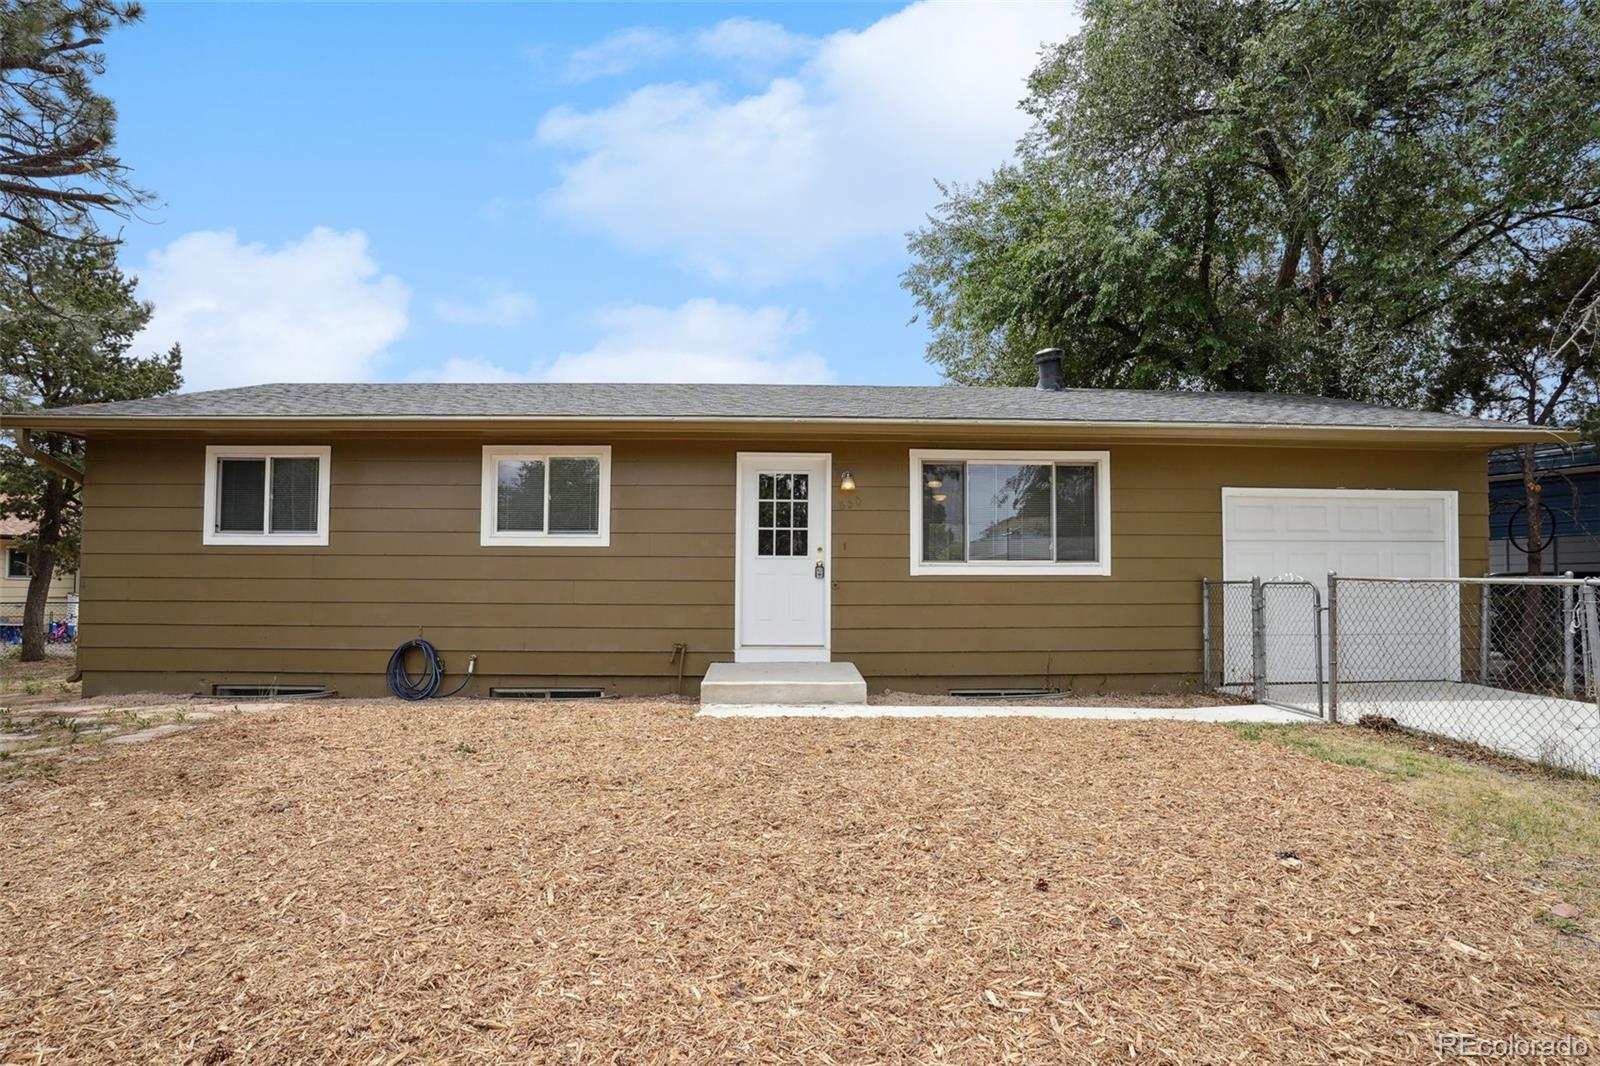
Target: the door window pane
pixel 574 495
pixel 241 495
pixel 520 503
pixel 943 513
pixel 1075 514
pixel 294 495
pixel 782 513
pixel 1009 509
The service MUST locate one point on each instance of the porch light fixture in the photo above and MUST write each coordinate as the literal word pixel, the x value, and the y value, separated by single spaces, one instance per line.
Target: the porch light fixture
pixel 847 482
pixel 935 483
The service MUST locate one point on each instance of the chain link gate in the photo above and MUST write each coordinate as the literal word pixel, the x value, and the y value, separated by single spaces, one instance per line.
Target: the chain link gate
pixel 1263 641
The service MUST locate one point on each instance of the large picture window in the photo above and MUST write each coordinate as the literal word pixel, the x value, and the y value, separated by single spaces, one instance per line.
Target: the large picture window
pixel 266 495
pixel 982 512
pixel 549 497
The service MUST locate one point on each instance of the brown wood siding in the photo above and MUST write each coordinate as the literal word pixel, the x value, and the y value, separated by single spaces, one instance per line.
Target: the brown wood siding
pixel 161 611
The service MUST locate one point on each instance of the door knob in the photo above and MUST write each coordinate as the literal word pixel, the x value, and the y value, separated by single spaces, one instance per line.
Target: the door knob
pixel 820 571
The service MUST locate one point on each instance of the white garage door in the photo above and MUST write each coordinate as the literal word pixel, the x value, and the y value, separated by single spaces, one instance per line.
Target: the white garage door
pixel 1307 533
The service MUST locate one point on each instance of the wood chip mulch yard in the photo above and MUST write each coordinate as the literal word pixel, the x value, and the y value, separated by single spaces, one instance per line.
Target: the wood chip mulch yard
pixel 621 883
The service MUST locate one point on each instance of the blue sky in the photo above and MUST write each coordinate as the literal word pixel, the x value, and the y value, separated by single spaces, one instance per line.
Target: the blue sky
pixel 563 192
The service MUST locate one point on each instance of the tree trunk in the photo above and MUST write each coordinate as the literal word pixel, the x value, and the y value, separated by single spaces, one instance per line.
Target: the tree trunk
pixel 1533 498
pixel 42 566
pixel 42 562
pixel 1533 607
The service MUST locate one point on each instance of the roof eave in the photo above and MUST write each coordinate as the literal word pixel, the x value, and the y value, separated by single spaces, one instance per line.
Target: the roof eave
pixel 1487 435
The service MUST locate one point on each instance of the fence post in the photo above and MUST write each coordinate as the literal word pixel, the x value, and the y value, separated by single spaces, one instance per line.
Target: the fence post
pixel 1485 619
pixel 1316 644
pixel 1333 649
pixel 1258 639
pixel 1205 634
pixel 1567 658
pixel 1591 641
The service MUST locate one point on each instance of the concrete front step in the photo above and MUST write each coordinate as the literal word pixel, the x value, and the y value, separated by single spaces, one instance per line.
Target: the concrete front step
pixel 735 684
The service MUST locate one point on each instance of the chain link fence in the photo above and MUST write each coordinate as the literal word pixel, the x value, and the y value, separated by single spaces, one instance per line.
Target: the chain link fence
pixel 61 621
pixel 1505 663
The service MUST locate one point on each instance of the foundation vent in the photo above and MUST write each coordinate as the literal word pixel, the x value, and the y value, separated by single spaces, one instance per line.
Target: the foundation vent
pixel 258 692
pixel 546 693
pixel 1001 693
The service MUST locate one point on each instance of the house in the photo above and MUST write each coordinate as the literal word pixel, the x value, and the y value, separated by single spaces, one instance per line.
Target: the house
pixel 1569 476
pixel 15 573
pixel 607 536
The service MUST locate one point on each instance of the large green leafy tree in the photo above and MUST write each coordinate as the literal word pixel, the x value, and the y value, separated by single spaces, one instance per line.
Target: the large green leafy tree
pixel 1262 194
pixel 58 165
pixel 1524 347
pixel 68 318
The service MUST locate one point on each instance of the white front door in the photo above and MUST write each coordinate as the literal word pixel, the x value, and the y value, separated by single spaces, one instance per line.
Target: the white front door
pixel 782 559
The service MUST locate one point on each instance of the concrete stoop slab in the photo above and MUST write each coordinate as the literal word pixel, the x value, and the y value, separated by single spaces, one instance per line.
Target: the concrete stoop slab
pixel 765 684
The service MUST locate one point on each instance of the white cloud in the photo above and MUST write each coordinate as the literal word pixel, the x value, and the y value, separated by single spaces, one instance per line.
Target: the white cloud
pixel 751 42
pixel 620 52
pixel 699 340
pixel 501 307
pixel 752 45
pixel 466 368
pixel 316 309
pixel 776 183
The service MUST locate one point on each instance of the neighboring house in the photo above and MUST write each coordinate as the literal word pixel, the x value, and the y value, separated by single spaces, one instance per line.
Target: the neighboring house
pixel 1569 476
pixel 578 535
pixel 15 573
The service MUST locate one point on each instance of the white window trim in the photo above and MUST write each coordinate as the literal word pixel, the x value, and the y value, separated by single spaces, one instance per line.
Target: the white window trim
pixel 10 553
pixel 217 452
pixel 1098 567
pixel 489 537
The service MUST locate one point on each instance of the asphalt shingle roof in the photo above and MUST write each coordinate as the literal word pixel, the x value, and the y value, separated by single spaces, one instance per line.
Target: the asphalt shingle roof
pixel 826 403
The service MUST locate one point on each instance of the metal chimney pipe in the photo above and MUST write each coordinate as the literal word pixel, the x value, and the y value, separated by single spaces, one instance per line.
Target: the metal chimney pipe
pixel 1049 363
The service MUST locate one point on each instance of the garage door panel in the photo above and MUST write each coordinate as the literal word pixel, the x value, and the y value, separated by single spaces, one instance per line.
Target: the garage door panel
pixel 1260 561
pixel 1308 561
pixel 1361 562
pixel 1270 533
pixel 1423 518
pixel 1360 518
pixel 1416 562
pixel 1315 519
pixel 1255 518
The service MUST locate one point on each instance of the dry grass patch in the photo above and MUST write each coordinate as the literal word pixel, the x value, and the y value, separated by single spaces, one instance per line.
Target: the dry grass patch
pixel 622 883
pixel 1528 821
pixel 39 682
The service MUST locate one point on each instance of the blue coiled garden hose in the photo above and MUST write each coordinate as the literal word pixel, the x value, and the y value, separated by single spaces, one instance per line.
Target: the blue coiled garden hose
pixel 426 685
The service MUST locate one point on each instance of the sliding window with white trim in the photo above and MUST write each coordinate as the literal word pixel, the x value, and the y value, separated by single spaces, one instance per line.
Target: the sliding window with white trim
pixel 546 497
pixel 1010 513
pixel 266 494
